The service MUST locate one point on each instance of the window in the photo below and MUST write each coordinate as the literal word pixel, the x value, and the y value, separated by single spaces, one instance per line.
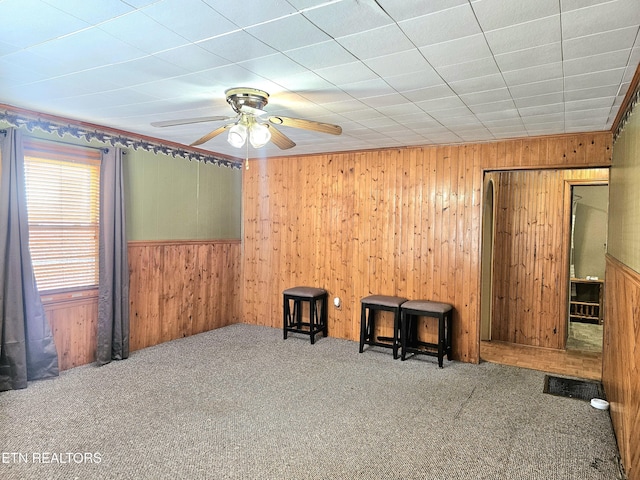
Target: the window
pixel 62 184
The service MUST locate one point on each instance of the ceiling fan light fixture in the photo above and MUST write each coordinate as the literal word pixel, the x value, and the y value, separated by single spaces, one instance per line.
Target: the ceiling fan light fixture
pixel 259 135
pixel 237 135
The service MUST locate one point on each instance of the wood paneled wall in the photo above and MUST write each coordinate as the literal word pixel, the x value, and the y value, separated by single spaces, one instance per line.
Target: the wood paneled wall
pixel 621 360
pixel 74 325
pixel 395 222
pixel 178 289
pixel 531 235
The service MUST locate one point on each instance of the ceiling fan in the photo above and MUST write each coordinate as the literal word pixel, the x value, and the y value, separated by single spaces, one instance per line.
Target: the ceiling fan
pixel 252 122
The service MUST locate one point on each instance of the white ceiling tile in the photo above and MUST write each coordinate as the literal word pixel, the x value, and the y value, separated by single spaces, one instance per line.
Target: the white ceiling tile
pixel 385 40
pixel 345 18
pixel 407 62
pixel 537 88
pixel 288 33
pixel 591 80
pixel 87 49
pixel 537 100
pixel 135 72
pixel 321 55
pixel 494 14
pixel 443 103
pixel 548 71
pixel 590 104
pixel 463 71
pixel 41 66
pixel 601 113
pixel 93 12
pixel 488 96
pixel 525 35
pixel 142 32
pixel 530 57
pixel 499 115
pixel 585 94
pixel 460 50
pixel 601 17
pixel 492 107
pixel 192 58
pixel 350 105
pixel 430 93
pixel 599 43
pixel 368 88
pixel 178 15
pixel 567 5
pixel 304 81
pixel 442 26
pixel 347 73
pixel 557 118
pixel 273 66
pixel 385 100
pixel 415 81
pixel 537 110
pixel 252 12
pixel 605 61
pixel 478 84
pixel 461 112
pixel 237 47
pixel 406 9
pixel 24 23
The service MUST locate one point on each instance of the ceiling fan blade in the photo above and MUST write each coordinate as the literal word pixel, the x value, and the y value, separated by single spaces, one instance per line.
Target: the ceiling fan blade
pixel 186 121
pixel 280 139
pixel 210 135
pixel 306 124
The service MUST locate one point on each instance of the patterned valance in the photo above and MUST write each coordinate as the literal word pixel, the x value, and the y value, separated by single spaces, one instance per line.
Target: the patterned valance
pixel 114 138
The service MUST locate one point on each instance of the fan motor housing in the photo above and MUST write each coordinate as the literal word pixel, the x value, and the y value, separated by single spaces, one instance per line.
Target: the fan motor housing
pixel 251 97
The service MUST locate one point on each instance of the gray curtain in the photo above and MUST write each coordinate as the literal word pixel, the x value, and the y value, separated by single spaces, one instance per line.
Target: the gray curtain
pixel 27 348
pixel 113 306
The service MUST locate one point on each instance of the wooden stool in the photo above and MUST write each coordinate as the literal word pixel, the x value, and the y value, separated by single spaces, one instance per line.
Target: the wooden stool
pixel 368 322
pixel 409 334
pixel 292 321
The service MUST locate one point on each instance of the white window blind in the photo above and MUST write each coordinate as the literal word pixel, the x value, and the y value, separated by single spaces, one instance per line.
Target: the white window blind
pixel 62 184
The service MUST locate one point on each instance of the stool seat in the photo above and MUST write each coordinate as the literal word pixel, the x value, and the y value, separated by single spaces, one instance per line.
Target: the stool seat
pixel 384 300
pixel 370 305
pixel 292 318
pixel 427 306
pixel 305 292
pixel 409 331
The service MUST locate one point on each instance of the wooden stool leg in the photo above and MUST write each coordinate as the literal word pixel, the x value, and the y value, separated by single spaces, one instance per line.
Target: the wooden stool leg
pixel 363 326
pixel 441 339
pixel 448 333
pixel 396 332
pixel 312 319
pixel 286 315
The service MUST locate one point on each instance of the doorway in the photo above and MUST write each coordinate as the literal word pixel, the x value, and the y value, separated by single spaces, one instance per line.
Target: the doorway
pixel 588 244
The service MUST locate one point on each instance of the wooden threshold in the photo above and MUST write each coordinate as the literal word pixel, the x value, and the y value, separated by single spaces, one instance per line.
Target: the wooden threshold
pixel 572 363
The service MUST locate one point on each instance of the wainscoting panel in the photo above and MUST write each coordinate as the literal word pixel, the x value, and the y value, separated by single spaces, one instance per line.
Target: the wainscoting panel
pixel 395 222
pixel 74 325
pixel 621 360
pixel 179 289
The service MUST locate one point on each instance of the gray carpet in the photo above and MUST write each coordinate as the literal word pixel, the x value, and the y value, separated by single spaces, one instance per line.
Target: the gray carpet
pixel 241 403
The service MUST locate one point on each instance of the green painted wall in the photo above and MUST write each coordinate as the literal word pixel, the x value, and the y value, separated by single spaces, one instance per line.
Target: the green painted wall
pixel 624 195
pixel 171 198
pixel 176 199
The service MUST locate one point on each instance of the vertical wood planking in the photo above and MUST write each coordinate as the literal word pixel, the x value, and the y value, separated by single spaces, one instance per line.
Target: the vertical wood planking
pixel 621 360
pixel 74 326
pixel 179 289
pixel 397 222
pixel 531 278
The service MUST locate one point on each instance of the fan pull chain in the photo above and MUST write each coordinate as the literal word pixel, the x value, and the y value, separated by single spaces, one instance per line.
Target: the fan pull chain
pixel 246 160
